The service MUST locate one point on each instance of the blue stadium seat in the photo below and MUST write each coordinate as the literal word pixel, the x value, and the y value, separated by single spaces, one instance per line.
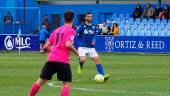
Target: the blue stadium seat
pixel 141 33
pixel 121 16
pixel 168 32
pixel 134 32
pixel 167 26
pixel 134 26
pixel 127 16
pixel 158 21
pixel 147 32
pixel 118 20
pixel 128 32
pixel 144 20
pixel 114 16
pixel 148 26
pixel 138 20
pixel 121 32
pixel 154 32
pixel 141 25
pixel 131 20
pixel 164 21
pixel 151 21
pixel 161 32
pixel 121 25
pixel 154 26
pixel 122 20
pixel 161 26
pixel 128 26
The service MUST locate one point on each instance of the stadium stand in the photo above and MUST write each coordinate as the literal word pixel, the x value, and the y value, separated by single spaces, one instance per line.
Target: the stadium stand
pixel 113 11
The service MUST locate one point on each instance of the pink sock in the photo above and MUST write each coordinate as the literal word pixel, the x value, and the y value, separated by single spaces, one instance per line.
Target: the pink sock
pixel 34 89
pixel 65 91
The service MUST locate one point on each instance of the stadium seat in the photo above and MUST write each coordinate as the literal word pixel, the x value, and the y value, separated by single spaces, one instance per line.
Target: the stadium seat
pixel 168 32
pixel 164 21
pixel 127 32
pixel 148 26
pixel 153 32
pixel 127 16
pixel 128 26
pixel 147 32
pixel 138 20
pixel 117 20
pixel 141 33
pixel 121 16
pixel 157 21
pixel 134 25
pixel 121 32
pixel 134 32
pixel 141 25
pixel 167 26
pixel 161 26
pixel 168 21
pixel 144 20
pixel 121 25
pixel 114 16
pixel 131 20
pixel 161 32
pixel 151 21
pixel 154 26
pixel 122 20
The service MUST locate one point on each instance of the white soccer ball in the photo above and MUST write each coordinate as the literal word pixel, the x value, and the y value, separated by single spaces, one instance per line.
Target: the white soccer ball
pixel 99 78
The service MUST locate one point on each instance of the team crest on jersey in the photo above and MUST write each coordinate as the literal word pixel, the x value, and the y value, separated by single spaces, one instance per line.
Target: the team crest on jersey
pixel 109 44
pixel 85 31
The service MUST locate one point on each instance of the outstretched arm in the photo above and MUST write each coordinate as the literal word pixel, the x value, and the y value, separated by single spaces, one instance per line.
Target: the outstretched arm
pixel 71 47
pixel 47 46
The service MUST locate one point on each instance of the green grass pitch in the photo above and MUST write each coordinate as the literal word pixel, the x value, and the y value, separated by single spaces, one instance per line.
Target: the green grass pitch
pixel 131 75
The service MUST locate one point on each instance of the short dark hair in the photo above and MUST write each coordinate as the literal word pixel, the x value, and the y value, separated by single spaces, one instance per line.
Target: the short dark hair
pixel 68 16
pixel 88 13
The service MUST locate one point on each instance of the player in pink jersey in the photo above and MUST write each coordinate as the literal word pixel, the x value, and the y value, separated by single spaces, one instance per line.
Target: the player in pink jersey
pixel 61 41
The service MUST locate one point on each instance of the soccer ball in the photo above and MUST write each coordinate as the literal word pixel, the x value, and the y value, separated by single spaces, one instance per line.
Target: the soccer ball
pixel 99 78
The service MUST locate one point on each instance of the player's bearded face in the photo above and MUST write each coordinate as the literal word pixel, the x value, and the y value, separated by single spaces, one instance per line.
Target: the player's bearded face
pixel 89 18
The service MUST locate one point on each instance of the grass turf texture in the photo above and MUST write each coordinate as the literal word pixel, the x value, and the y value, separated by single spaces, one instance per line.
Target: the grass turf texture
pixel 131 75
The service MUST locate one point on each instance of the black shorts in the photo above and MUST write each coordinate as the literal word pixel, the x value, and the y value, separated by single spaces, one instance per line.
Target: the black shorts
pixel 63 71
pixel 42 42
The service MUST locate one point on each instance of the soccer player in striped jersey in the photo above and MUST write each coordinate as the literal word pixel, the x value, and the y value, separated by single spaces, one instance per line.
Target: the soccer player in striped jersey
pixel 86 37
pixel 58 61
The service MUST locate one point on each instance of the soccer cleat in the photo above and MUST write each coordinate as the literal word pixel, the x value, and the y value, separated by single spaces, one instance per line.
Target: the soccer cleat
pixel 79 70
pixel 106 77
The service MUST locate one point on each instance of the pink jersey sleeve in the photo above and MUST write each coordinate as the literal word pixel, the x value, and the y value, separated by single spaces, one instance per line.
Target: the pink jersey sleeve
pixel 51 39
pixel 71 36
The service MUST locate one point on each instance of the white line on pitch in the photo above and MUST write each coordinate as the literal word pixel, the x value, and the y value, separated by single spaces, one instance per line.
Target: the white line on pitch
pixel 52 84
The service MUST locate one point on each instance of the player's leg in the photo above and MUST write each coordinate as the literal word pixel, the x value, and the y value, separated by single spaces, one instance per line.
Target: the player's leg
pixel 41 47
pixel 42 43
pixel 65 75
pixel 99 67
pixel 81 62
pixel 46 74
pixel 95 57
pixel 36 86
pixel 82 58
pixel 65 91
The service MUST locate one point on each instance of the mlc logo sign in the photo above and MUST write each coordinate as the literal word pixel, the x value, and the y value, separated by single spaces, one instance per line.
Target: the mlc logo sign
pixel 17 42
